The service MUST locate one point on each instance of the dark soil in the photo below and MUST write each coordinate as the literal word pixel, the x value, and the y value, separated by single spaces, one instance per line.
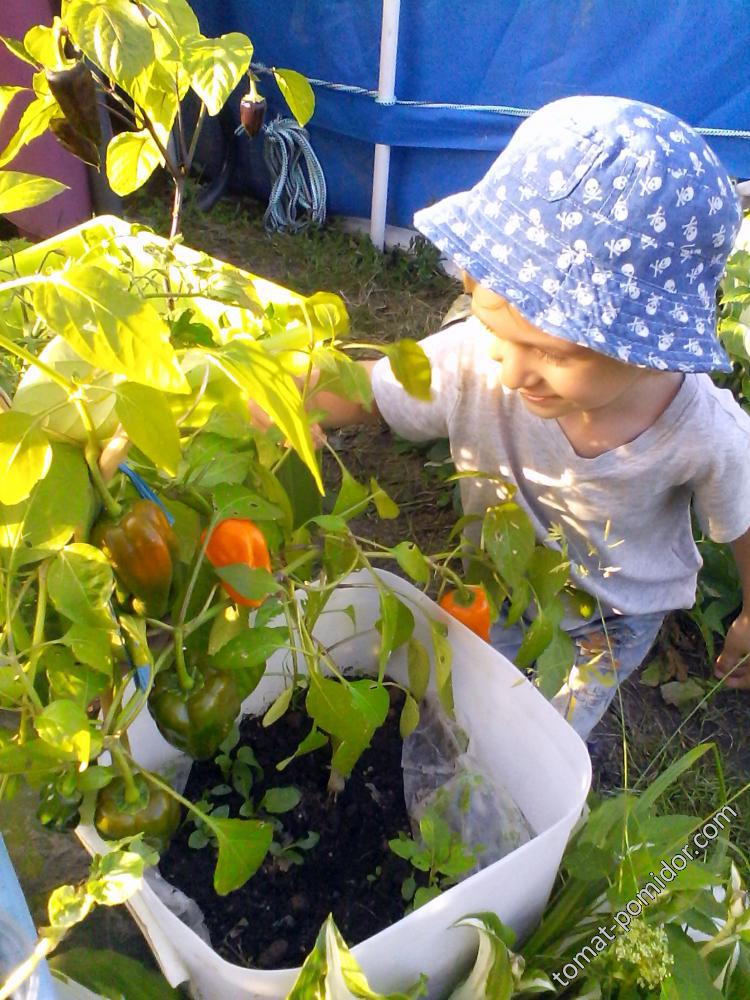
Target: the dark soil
pixel 273 920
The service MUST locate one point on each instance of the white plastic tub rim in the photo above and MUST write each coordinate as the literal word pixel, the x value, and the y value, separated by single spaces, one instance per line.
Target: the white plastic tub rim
pixel 515 735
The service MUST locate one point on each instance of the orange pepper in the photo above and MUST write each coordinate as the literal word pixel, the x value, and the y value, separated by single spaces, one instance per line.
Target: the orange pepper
pixel 475 613
pixel 238 540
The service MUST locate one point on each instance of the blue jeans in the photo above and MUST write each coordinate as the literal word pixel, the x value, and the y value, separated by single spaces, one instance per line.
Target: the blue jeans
pixel 607 652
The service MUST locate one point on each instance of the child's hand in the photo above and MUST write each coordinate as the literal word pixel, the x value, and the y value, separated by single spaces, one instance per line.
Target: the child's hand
pixel 262 422
pixel 736 650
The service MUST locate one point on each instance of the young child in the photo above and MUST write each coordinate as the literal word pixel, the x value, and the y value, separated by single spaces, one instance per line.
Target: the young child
pixel 593 249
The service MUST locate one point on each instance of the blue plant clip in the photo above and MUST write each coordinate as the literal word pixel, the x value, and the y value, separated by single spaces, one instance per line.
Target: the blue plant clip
pixel 144 490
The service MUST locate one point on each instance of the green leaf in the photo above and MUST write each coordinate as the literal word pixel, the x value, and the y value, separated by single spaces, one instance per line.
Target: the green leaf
pixel 690 979
pixel 508 536
pixel 212 461
pixel 115 876
pixel 41 524
pixel 216 66
pixel 314 740
pixel 177 16
pixel 131 159
pixel 243 844
pixel 110 326
pixel 227 624
pixel 443 660
pixel 418 665
pixel 111 974
pixel 547 571
pixel 70 680
pixel 233 500
pixel 67 906
pixel 492 974
pixel 41 43
pixel 150 424
pixel 7 93
pixel 279 707
pixel 645 802
pixel 250 649
pixel 554 663
pixel 36 757
pixel 114 35
pixel 396 624
pixel 280 800
pixel 19 190
pixel 409 719
pixel 18 49
pixel 299 484
pixel 25 456
pixel 34 121
pixel 386 507
pixel 411 560
pixel 92 646
pixel 330 971
pixel 352 499
pixel 411 366
pixel 47 523
pixel 538 636
pixel 297 92
pixel 247 364
pixel 683 694
pixel 252 582
pixel 350 711
pixel 65 726
pixel 80 584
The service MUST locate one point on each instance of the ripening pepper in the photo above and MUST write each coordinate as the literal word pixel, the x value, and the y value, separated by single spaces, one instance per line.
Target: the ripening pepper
pixel 237 540
pixel 252 113
pixel 142 549
pixel 199 720
pixel 157 820
pixel 474 612
pixel 59 804
pixel 75 91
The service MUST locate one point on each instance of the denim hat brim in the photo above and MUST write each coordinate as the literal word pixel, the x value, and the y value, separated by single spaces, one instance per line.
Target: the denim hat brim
pixel 606 222
pixel 562 292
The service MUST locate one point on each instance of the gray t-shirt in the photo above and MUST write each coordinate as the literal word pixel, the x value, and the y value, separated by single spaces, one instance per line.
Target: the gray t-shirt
pixel 626 513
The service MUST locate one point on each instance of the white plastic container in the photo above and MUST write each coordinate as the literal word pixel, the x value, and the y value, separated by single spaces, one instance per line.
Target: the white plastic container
pixel 514 734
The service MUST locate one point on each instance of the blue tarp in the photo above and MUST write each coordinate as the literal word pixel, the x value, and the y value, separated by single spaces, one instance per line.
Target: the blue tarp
pixel 688 56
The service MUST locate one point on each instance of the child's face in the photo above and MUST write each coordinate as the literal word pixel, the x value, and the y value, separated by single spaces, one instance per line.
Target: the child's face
pixel 552 376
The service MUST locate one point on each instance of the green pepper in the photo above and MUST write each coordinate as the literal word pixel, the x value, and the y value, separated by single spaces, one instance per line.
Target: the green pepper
pixel 199 720
pixel 142 549
pixel 156 814
pixel 59 804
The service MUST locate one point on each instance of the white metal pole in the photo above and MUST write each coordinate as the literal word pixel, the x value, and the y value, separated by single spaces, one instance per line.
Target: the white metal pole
pixel 386 95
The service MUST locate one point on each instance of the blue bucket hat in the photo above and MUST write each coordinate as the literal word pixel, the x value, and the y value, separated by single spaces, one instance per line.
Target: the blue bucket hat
pixel 606 222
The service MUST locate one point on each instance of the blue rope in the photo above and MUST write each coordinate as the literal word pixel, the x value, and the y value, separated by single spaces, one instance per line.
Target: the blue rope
pixel 497 109
pixel 298 195
pixel 144 490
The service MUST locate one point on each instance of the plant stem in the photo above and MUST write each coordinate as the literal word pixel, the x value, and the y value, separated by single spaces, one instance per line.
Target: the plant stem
pixel 21 973
pixel 91 454
pixel 120 758
pixel 20 352
pixel 185 680
pixel 37 637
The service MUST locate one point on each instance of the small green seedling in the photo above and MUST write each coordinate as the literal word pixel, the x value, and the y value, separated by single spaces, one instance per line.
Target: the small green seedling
pixel 439 852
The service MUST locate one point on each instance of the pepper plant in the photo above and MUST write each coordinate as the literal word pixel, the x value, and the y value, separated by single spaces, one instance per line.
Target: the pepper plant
pixel 111 573
pixel 164 584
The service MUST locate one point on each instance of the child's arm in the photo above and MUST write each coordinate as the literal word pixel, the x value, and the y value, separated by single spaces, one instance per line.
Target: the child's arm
pixel 737 643
pixel 341 412
pixel 338 411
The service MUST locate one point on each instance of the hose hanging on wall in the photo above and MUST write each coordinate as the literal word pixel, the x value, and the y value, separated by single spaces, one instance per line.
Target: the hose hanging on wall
pixel 298 193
